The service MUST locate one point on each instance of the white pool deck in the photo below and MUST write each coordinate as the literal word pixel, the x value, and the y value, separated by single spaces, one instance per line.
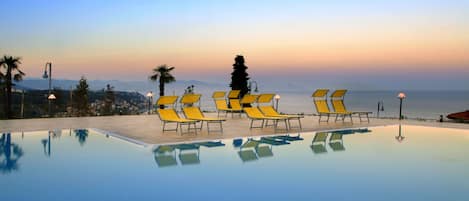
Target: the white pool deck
pixel 148 128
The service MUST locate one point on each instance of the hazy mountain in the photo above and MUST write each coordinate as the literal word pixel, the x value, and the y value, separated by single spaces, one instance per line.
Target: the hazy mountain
pixel 139 86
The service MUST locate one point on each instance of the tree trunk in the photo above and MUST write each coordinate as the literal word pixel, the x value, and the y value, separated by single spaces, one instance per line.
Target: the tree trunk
pixel 4 96
pixel 161 91
pixel 8 93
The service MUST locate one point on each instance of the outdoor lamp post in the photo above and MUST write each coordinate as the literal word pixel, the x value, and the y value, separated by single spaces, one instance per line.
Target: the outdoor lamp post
pixel 401 97
pixel 250 86
pixel 150 101
pixel 48 75
pixel 50 98
pixel 277 98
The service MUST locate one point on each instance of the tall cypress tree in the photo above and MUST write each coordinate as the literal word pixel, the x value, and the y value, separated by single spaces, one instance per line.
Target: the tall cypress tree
pixel 81 100
pixel 239 76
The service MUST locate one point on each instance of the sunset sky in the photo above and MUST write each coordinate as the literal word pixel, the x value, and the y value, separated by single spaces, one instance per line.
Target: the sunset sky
pixel 294 40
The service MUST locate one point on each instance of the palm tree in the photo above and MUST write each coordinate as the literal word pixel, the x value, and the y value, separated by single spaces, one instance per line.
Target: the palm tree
pixel 12 73
pixel 162 73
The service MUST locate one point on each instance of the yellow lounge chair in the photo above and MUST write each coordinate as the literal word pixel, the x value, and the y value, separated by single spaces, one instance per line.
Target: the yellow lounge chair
pixel 320 102
pixel 337 99
pixel 248 99
pixel 234 94
pixel 255 114
pixel 220 103
pixel 169 115
pixel 194 113
pixel 269 110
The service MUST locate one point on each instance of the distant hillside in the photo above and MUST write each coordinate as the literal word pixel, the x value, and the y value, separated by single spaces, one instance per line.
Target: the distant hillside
pixel 36 103
pixel 133 86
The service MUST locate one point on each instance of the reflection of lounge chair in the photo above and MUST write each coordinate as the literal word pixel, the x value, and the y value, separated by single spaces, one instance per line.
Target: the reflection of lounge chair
pixel 318 145
pixel 247 155
pixel 337 99
pixel 273 141
pixel 352 131
pixel 211 144
pixel 253 149
pixel 165 156
pixel 336 142
pixel 255 114
pixel 288 138
pixel 188 158
pixel 322 108
pixel 169 115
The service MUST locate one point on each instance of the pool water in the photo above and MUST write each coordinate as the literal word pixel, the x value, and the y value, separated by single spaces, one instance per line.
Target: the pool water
pixel 376 163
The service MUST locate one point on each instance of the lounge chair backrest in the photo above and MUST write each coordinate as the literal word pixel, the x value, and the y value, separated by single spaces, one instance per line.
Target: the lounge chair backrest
pixel 338 105
pixel 190 98
pixel 265 98
pixel 335 137
pixel 166 100
pixel 338 94
pixel 168 114
pixel 321 106
pixel 234 94
pixel 268 110
pixel 235 104
pixel 249 99
pixel 320 137
pixel 254 112
pixel 320 93
pixel 221 104
pixel 218 95
pixel 193 112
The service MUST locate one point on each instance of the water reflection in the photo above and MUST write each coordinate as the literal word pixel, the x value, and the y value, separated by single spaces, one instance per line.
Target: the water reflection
pixel 188 154
pixel 253 149
pixel 336 143
pixel 46 144
pixel 10 153
pixel 399 137
pixel 318 145
pixel 81 134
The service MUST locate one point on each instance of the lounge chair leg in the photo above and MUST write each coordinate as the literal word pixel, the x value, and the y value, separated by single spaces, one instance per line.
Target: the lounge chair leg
pixel 328 115
pixel 299 123
pixel 250 127
pixel 178 129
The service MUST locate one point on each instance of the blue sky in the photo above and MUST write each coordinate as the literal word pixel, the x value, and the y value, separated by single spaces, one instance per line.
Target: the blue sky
pixel 418 43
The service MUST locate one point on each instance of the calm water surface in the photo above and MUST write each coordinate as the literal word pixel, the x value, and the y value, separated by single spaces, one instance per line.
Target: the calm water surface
pixel 379 163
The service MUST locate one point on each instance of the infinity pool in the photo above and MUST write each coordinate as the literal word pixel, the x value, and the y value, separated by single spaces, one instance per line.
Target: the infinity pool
pixel 377 163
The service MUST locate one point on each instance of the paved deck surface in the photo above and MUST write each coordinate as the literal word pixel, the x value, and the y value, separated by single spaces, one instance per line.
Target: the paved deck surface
pixel 148 128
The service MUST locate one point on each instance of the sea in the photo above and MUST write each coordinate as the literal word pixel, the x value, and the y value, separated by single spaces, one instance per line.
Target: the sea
pixel 417 104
